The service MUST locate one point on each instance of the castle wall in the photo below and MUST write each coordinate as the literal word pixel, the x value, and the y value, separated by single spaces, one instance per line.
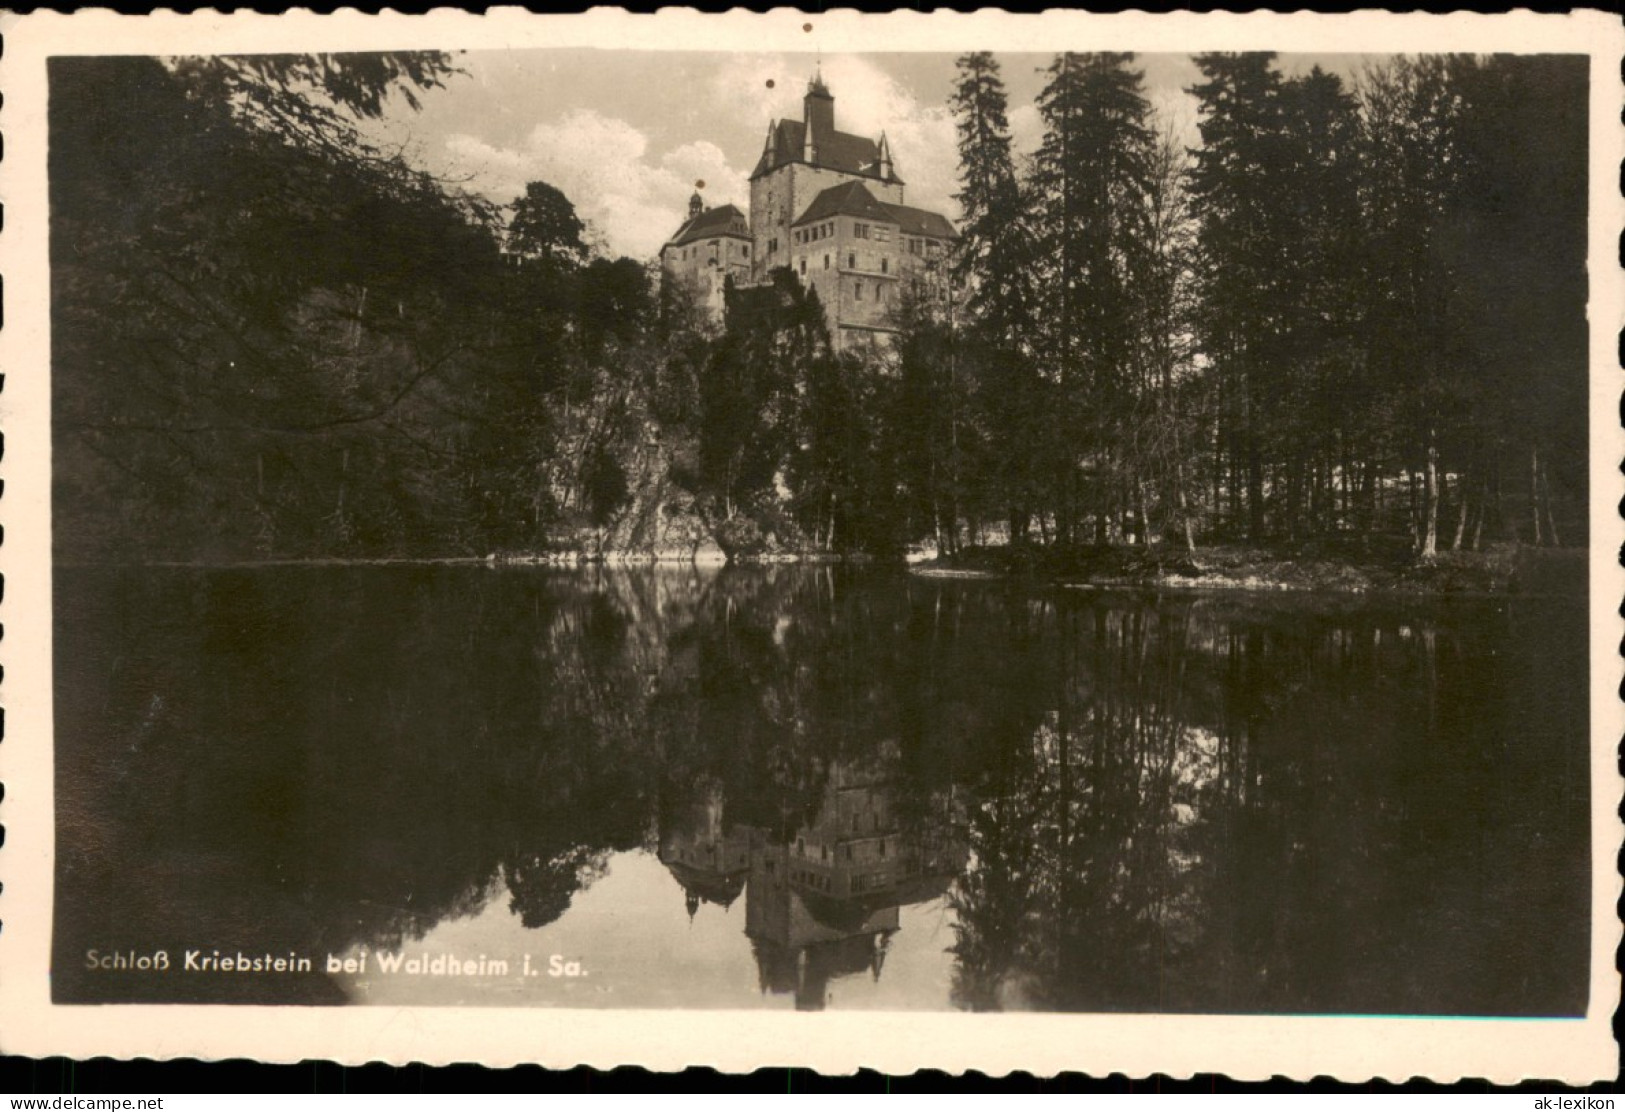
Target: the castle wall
pixel 861 281
pixel 703 269
pixel 778 199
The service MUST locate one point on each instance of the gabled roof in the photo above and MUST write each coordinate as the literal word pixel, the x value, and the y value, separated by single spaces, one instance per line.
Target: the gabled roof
pixel 852 198
pixel 839 150
pixel 724 220
pixel 921 222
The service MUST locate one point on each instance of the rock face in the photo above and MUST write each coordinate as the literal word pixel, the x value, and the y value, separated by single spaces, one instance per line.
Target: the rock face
pixel 659 521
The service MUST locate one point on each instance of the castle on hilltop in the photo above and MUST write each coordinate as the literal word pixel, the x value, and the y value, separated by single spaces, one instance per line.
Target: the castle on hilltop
pixel 827 205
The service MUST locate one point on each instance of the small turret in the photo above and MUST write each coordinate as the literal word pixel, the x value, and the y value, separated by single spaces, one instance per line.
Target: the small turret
pixel 884 159
pixel 695 205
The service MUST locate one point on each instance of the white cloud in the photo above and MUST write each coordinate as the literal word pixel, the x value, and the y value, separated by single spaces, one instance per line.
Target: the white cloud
pixel 633 186
pixel 1026 130
pixel 634 200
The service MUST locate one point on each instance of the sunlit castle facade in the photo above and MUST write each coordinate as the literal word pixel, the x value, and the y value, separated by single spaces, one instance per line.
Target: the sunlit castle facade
pixel 827 205
pixel 712 246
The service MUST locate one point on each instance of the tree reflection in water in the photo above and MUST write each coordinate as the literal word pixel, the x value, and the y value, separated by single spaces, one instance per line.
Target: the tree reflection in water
pixel 1125 802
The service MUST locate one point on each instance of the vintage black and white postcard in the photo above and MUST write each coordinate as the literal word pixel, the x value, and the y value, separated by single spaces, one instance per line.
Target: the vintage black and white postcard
pixel 922 540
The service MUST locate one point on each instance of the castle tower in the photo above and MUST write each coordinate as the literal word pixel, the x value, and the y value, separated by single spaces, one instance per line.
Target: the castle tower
pixel 817 117
pixel 801 159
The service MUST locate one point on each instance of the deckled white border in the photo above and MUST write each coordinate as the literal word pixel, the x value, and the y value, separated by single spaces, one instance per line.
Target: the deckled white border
pixel 1250 1047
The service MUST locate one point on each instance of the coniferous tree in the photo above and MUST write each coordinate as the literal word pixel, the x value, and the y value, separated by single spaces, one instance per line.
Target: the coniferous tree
pixel 1520 220
pixel 1091 181
pixel 1236 185
pixel 1321 371
pixel 1411 116
pixel 994 267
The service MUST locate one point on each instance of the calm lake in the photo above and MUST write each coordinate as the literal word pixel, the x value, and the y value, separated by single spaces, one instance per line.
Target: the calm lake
pixel 800 787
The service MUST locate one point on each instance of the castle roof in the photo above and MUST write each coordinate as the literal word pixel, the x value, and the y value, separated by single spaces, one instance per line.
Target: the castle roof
pixel 838 150
pixel 852 198
pixel 724 220
pixel 708 885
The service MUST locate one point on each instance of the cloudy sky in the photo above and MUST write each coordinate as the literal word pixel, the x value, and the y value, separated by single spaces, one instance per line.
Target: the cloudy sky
pixel 628 135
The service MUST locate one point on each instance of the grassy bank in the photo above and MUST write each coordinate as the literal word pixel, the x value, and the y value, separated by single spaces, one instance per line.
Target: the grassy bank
pixel 1320 567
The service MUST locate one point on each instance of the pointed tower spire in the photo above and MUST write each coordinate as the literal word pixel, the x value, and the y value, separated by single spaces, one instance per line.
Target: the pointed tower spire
pixel 884 159
pixel 818 117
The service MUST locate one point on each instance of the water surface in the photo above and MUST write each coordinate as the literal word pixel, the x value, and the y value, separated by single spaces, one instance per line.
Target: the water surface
pixel 815 788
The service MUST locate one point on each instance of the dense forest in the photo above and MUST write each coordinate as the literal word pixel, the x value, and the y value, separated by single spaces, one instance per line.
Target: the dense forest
pixel 1352 312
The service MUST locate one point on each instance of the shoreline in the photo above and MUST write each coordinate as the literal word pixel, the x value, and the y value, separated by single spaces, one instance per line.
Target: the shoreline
pixel 569 561
pixel 1511 570
pixel 1504 571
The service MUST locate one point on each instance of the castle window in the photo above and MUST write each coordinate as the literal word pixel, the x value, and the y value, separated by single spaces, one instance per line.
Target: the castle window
pixel 851 261
pixel 857 291
pixel 803 264
pixel 884 263
pixel 882 234
pixel 826 262
pixel 861 231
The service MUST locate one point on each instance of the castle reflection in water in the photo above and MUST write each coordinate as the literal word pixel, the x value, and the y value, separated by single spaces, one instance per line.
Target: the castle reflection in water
pixel 824 900
pixel 981 796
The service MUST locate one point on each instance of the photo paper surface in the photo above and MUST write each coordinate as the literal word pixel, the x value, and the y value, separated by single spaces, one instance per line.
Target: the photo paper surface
pixel 898 541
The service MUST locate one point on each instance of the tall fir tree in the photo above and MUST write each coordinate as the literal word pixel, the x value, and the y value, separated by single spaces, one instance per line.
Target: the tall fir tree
pixel 1236 185
pixel 993 264
pixel 1091 179
pixel 1319 353
pixel 994 246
